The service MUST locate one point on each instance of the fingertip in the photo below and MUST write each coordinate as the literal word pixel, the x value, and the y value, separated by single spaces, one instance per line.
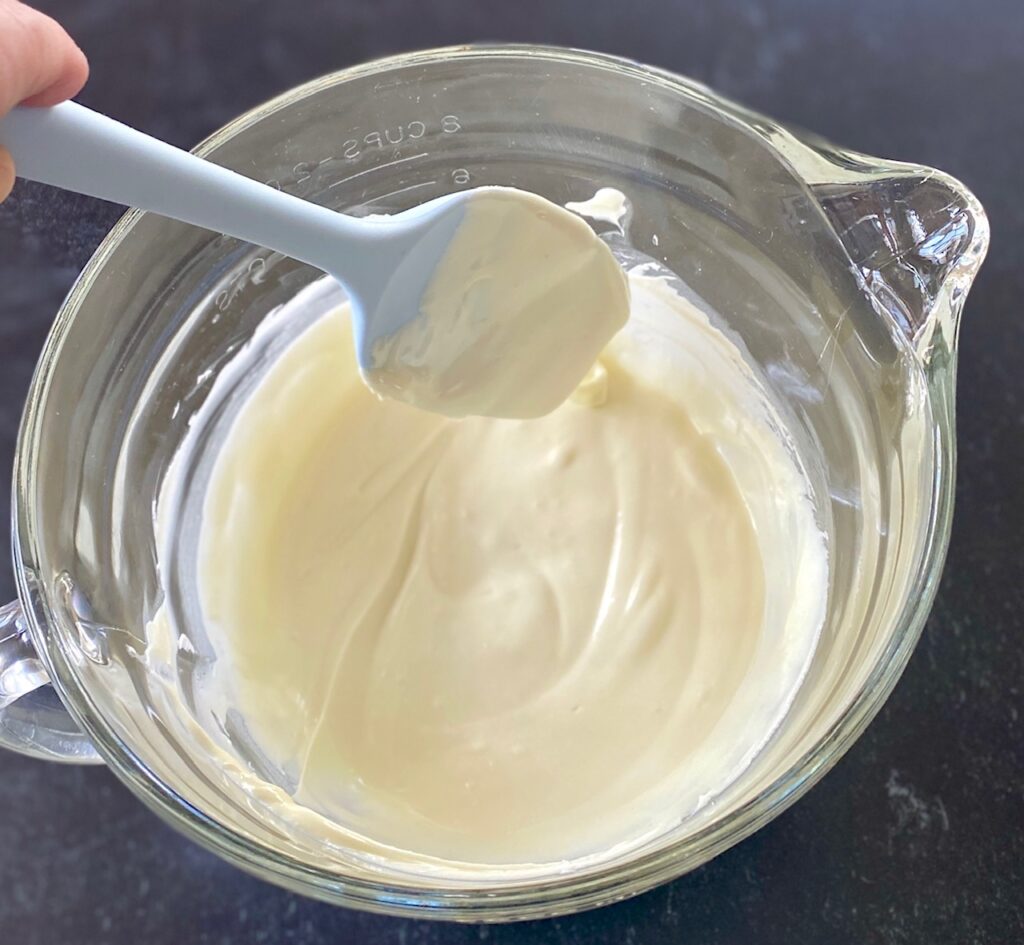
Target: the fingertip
pixel 40 64
pixel 74 72
pixel 6 174
pixel 76 69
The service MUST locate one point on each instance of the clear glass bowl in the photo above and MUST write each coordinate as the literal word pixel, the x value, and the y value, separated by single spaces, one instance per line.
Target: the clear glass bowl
pixel 842 277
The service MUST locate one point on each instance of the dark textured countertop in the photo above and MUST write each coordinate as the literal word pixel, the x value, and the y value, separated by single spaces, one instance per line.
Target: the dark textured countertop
pixel 917 836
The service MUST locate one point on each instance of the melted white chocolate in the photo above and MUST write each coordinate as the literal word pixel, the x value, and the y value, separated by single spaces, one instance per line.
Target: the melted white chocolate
pixel 507 642
pixel 518 309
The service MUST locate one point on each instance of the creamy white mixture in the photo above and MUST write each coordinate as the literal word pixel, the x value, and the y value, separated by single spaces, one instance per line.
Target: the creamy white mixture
pixel 518 308
pixel 511 641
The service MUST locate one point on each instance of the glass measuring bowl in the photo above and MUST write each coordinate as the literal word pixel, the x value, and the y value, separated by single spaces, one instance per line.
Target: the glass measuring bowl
pixel 842 278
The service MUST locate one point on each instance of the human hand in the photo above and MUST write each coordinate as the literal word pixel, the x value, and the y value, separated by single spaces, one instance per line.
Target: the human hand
pixel 39 65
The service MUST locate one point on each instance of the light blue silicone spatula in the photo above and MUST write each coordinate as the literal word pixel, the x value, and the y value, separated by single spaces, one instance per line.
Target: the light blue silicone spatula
pixel 75 148
pixel 385 264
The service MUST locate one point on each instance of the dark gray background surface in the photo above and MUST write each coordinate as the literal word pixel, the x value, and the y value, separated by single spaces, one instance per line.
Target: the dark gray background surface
pixel 917 836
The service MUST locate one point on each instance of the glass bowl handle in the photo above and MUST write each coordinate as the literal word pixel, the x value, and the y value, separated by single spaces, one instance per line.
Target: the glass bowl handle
pixel 33 721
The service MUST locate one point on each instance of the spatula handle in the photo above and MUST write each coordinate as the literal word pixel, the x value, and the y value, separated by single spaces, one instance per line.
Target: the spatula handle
pixel 72 147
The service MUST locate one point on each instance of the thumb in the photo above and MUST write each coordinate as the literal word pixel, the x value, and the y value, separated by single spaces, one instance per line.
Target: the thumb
pixel 39 63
